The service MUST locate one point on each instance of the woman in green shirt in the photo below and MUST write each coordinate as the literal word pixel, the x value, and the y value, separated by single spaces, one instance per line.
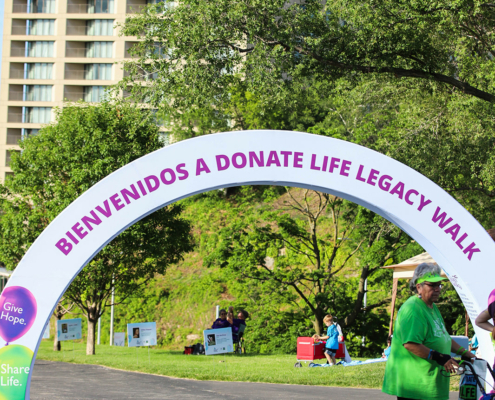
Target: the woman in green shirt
pixel 419 364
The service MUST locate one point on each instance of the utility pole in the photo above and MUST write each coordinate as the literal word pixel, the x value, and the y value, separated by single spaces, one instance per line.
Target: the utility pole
pixel 365 302
pixel 99 331
pixel 111 312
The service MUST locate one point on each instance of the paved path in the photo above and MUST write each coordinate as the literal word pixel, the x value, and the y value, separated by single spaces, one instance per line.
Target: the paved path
pixel 56 380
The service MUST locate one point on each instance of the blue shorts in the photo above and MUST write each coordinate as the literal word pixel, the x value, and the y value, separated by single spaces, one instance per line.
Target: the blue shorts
pixel 331 352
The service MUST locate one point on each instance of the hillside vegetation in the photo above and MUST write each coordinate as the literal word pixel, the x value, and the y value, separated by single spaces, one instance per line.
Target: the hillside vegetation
pixel 183 301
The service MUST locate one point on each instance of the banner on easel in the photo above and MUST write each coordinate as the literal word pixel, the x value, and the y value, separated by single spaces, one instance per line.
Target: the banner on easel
pixel 69 329
pixel 141 334
pixel 119 339
pixel 218 341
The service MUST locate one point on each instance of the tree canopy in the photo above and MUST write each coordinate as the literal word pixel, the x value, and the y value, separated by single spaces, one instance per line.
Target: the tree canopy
pixel 197 46
pixel 413 80
pixel 83 145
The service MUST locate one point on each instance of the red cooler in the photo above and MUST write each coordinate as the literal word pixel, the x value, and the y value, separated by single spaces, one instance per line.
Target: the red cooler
pixel 341 350
pixel 308 350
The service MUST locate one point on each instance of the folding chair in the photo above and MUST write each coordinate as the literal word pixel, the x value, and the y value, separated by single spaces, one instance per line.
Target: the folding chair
pixel 239 346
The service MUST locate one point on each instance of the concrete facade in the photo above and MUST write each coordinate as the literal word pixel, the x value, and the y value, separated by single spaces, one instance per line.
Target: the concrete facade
pixel 54 51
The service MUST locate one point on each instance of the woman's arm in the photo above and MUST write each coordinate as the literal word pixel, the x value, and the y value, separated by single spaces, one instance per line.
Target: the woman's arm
pixel 230 315
pixel 323 337
pixel 422 351
pixel 417 349
pixel 482 321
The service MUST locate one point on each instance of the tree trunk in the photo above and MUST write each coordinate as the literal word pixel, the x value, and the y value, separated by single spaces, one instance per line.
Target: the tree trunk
pixel 358 305
pixel 90 343
pixel 318 322
pixel 57 345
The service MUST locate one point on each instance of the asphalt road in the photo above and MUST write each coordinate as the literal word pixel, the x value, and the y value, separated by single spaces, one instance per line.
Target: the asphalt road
pixel 56 380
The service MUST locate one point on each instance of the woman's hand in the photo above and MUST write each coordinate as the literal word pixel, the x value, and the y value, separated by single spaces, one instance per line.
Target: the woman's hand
pixel 451 366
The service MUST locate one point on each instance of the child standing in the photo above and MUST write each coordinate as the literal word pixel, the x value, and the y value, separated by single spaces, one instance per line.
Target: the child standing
pixel 332 339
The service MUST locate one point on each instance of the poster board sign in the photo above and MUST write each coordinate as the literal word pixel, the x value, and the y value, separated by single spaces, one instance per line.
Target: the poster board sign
pixel 69 329
pixel 46 333
pixel 218 341
pixel 141 334
pixel 119 339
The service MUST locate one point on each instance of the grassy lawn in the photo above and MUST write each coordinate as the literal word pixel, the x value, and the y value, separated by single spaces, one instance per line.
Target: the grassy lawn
pixel 246 368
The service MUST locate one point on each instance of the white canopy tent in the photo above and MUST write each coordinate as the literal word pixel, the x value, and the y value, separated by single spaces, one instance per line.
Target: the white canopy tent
pixel 405 270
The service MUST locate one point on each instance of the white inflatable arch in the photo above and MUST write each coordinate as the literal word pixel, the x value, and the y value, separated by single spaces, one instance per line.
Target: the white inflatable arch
pixel 459 244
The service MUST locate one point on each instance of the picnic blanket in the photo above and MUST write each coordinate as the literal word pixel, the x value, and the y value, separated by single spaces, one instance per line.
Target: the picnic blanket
pixel 350 364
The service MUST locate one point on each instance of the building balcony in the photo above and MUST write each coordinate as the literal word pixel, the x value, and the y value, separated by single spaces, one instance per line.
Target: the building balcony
pixel 90 94
pixel 75 52
pixel 40 49
pixel 33 7
pixel 81 27
pixel 74 74
pixel 16 71
pixel 8 157
pixel 89 49
pixel 76 28
pixel 14 114
pixel 73 93
pixel 135 6
pixel 14 135
pixel 19 27
pixel 90 7
pixel 128 49
pixel 17 49
pixel 16 93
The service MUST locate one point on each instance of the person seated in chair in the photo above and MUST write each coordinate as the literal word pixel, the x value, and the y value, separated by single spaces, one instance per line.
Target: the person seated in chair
pixel 221 322
pixel 237 322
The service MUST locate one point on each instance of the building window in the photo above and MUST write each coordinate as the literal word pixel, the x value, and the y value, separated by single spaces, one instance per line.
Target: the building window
pixel 41 6
pixel 37 115
pixel 99 49
pixel 40 27
pixel 38 70
pixel 161 51
pixel 99 27
pixel 94 94
pixel 39 49
pixel 29 132
pixel 98 71
pixel 100 6
pixel 38 92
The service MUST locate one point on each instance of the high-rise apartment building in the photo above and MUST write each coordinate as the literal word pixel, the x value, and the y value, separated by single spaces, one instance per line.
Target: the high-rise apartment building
pixel 56 51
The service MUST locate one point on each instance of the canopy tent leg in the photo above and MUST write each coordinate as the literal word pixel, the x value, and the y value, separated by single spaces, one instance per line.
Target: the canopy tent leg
pixel 466 331
pixel 392 306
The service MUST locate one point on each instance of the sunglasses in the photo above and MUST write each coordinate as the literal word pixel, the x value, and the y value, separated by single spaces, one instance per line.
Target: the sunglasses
pixel 434 285
pixel 222 313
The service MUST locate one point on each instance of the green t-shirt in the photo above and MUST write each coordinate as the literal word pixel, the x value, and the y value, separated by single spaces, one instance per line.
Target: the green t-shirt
pixel 410 376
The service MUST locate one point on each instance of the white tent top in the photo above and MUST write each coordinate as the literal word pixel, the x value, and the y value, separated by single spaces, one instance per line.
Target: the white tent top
pixel 4 272
pixel 405 270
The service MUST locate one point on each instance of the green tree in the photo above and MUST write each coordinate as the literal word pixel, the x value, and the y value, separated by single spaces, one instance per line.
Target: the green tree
pixel 413 80
pixel 300 251
pixel 85 144
pixel 197 47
